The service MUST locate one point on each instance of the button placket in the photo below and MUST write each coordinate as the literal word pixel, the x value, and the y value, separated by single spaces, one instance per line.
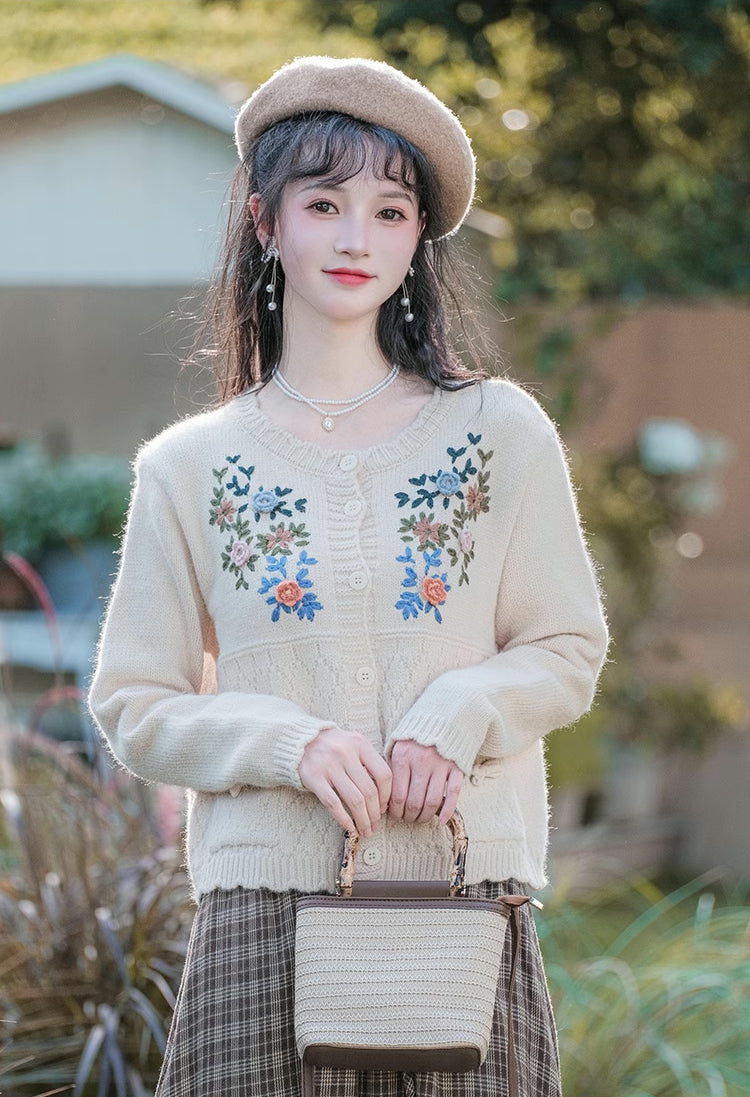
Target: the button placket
pixel 352 517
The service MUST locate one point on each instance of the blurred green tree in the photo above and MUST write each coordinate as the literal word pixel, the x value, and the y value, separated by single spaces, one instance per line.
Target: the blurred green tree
pixel 611 136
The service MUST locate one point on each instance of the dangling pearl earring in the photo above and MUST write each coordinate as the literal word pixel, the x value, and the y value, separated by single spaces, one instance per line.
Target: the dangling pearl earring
pixel 405 298
pixel 271 254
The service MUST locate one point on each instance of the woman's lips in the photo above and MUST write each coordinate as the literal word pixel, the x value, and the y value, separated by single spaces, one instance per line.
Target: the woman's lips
pixel 350 277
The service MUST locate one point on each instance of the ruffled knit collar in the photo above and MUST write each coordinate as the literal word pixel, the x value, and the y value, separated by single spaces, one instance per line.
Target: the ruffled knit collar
pixel 315 458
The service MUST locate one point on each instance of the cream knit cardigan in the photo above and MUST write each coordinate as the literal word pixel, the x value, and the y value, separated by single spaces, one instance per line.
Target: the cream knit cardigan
pixel 435 587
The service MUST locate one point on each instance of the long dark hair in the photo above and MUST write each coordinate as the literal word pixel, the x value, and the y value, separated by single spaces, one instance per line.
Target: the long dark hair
pixel 246 337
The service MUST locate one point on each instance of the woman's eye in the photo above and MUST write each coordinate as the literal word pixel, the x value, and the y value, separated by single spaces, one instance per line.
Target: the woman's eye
pixel 391 215
pixel 322 206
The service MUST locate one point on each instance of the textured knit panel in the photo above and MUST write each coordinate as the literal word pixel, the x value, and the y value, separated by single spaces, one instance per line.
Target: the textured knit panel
pixel 233 1034
pixel 435 587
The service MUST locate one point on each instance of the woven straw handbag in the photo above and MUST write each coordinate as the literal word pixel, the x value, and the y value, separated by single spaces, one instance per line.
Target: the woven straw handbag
pixel 400 975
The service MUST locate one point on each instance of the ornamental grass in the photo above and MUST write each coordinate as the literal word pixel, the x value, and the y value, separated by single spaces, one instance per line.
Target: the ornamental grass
pixel 652 991
pixel 94 919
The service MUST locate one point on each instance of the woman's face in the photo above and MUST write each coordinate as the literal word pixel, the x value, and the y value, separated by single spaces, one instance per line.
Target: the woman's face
pixel 345 247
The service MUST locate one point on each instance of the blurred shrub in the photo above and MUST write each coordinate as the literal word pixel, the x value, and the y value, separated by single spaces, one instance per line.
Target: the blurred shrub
pixel 94 921
pixel 651 1002
pixel 45 503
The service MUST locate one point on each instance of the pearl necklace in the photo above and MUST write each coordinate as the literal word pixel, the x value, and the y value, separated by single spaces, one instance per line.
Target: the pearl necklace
pixel 327 417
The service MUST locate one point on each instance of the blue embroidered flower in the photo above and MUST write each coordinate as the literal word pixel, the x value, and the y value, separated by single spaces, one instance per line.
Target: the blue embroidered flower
pixel 448 483
pixel 287 594
pixel 265 501
pixel 423 596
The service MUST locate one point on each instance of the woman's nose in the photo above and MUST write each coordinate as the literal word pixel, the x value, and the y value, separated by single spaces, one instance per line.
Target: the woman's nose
pixel 352 238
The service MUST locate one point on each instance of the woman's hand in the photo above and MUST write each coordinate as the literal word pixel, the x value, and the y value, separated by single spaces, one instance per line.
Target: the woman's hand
pixel 349 777
pixel 423 783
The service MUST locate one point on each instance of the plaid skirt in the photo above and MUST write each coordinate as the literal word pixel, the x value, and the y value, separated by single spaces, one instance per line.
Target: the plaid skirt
pixel 232 1034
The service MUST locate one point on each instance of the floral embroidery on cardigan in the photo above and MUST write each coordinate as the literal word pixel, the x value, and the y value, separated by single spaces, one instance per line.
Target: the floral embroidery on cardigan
pixel 232 504
pixel 290 595
pixel 427 594
pixel 465 485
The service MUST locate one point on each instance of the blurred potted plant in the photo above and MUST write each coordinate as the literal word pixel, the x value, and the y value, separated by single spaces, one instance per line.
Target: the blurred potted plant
pixel 63 516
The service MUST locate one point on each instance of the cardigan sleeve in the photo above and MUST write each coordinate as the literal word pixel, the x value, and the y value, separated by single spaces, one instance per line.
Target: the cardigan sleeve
pixel 550 633
pixel 145 694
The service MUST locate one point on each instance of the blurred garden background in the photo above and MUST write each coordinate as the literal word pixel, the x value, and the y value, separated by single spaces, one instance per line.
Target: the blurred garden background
pixel 611 248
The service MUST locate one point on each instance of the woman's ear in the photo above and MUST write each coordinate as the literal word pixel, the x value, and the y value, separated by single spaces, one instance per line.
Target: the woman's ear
pixel 258 213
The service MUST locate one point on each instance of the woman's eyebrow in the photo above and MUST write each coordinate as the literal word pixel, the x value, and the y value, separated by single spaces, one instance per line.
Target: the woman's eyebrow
pixel 315 184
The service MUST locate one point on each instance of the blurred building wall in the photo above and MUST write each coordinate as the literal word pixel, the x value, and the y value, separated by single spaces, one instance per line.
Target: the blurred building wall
pixel 113 183
pixel 691 361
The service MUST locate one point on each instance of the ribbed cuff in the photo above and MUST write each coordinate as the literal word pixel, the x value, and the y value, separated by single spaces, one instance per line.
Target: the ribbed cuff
pixel 458 740
pixel 290 747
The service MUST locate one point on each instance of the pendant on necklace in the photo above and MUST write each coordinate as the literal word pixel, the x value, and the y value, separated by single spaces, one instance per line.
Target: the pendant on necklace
pixel 327 423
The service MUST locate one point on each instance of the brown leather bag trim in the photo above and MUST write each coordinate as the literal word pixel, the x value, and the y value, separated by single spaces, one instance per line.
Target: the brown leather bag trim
pixel 456 904
pixel 400 889
pixel 456 1059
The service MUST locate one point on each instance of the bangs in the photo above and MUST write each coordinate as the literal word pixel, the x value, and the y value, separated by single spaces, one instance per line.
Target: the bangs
pixel 336 147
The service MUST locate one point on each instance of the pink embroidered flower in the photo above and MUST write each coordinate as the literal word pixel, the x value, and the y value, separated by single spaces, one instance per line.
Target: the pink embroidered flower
pixel 427 531
pixel 225 512
pixel 474 499
pixel 240 553
pixel 279 538
pixel 466 540
pixel 433 590
pixel 288 592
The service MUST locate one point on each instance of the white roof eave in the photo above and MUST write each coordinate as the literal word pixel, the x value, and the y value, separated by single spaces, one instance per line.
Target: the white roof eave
pixel 160 82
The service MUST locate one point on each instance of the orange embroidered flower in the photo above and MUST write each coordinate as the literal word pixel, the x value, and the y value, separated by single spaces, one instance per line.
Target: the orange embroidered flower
pixel 433 590
pixel 288 592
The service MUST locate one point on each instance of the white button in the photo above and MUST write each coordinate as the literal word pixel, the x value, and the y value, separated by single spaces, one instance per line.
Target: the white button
pixel 352 507
pixel 365 676
pixel 358 580
pixel 372 856
pixel 348 462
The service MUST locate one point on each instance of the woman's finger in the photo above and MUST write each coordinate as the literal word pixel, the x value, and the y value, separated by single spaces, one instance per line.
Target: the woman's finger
pixel 453 787
pixel 401 777
pixel 362 797
pixel 434 795
pixel 331 801
pixel 359 800
pixel 381 774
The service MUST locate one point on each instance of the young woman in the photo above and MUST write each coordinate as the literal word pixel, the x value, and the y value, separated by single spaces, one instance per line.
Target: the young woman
pixel 381 552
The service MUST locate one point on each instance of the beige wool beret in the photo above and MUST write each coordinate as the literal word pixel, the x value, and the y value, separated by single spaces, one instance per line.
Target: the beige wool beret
pixel 373 92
